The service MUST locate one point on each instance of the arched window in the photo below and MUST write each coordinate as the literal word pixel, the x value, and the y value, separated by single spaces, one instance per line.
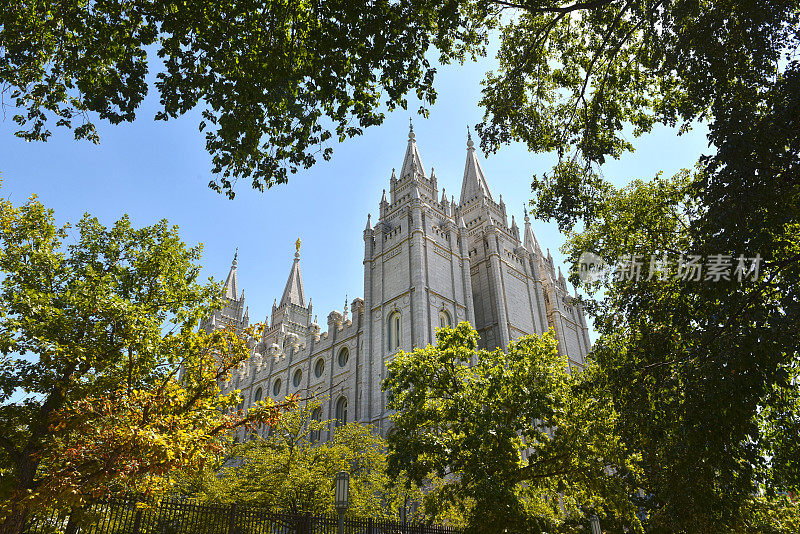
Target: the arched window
pixel 298 376
pixel 444 319
pixel 341 411
pixel 259 393
pixel 344 355
pixel 276 387
pixel 394 332
pixel 316 415
pixel 319 368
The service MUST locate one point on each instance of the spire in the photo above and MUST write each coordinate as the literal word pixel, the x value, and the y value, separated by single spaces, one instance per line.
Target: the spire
pixel 530 240
pixel 346 312
pixel 368 228
pixel 232 283
pixel 474 183
pixel 412 163
pixel 293 293
pixel 383 198
pixel 514 227
pixel 444 197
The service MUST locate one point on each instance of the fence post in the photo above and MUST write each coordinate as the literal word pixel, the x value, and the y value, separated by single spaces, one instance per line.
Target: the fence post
pixel 370 526
pixel 232 520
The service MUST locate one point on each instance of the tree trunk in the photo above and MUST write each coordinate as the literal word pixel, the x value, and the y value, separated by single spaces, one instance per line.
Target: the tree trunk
pixel 25 469
pixel 15 521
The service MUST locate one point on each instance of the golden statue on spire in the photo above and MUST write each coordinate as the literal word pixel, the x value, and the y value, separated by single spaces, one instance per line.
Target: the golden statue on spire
pixel 297 244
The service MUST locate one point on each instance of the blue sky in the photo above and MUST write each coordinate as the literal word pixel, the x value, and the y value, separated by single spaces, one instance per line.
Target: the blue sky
pixel 154 170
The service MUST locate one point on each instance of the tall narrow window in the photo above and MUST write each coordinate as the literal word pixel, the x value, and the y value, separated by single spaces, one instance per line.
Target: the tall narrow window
pixel 444 319
pixel 316 415
pixel 341 411
pixel 276 387
pixel 344 355
pixel 259 393
pixel 394 333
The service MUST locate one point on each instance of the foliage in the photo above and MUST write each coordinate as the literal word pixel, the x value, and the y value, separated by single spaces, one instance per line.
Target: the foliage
pixel 702 371
pixel 291 470
pixel 704 374
pixel 95 327
pixel 529 442
pixel 276 80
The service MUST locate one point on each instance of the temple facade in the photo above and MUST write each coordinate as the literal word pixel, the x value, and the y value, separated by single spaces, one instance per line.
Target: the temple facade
pixel 429 261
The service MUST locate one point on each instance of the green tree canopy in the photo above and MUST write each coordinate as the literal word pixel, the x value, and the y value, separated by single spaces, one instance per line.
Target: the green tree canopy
pixel 276 80
pixel 530 443
pixel 703 371
pixel 96 325
pixel 292 468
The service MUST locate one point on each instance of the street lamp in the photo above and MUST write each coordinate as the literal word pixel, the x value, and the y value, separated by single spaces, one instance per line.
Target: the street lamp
pixel 594 521
pixel 342 496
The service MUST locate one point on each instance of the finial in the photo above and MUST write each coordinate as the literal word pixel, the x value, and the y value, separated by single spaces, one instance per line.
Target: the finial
pixel 297 249
pixel 345 304
pixel 411 135
pixel 393 175
pixel 470 144
pixel 369 222
pixel 236 257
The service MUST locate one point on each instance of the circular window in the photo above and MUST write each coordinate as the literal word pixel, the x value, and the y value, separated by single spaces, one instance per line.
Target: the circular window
pixel 276 388
pixel 298 376
pixel 319 368
pixel 344 355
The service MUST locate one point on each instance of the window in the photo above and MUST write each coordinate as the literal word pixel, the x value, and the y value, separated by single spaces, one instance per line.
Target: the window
pixel 444 319
pixel 394 332
pixel 259 393
pixel 298 376
pixel 319 368
pixel 276 387
pixel 341 411
pixel 344 355
pixel 316 415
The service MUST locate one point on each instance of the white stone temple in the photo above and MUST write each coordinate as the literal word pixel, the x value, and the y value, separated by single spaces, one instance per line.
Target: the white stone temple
pixel 428 262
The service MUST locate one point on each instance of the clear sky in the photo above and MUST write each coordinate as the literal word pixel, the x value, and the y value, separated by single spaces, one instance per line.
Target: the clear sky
pixel 153 170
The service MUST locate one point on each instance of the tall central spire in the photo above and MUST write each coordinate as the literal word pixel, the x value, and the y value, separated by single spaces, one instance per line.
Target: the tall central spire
pixel 231 287
pixel 474 183
pixel 294 293
pixel 412 163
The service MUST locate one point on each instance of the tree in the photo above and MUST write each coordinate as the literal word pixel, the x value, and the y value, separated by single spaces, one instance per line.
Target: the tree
pixel 291 470
pixel 703 373
pixel 276 80
pixel 530 443
pixel 95 325
pixel 699 368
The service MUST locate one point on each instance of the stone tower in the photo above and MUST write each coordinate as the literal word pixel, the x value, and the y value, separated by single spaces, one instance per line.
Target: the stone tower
pixel 428 262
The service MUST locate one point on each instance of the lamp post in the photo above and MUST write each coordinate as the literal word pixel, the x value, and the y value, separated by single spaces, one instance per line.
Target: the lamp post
pixel 342 496
pixel 594 521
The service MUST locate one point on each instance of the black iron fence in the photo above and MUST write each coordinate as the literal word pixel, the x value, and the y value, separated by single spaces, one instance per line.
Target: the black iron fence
pixel 124 516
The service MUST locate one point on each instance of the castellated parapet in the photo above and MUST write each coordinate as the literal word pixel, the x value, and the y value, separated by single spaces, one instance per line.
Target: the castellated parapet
pixel 428 262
